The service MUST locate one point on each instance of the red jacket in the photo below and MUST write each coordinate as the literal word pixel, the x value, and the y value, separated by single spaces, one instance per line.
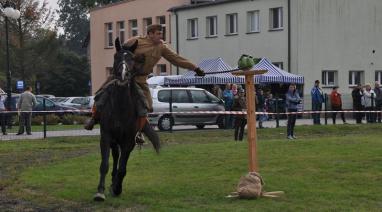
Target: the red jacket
pixel 335 99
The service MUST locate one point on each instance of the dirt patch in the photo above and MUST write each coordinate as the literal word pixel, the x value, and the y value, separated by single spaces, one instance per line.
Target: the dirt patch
pixel 12 165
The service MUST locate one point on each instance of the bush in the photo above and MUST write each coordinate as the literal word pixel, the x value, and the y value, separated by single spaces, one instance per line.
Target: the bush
pixel 52 119
pixel 73 119
pixel 37 120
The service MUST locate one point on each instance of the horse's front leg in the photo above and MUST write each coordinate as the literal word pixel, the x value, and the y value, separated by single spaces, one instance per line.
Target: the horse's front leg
pixel 115 154
pixel 116 188
pixel 104 167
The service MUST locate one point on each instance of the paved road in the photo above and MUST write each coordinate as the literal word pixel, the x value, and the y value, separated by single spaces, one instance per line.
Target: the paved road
pixel 81 132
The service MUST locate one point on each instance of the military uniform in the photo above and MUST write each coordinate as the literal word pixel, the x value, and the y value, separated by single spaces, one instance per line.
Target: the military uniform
pixel 153 53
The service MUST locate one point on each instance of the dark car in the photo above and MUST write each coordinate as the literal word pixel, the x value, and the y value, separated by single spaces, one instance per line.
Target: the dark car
pixel 57 109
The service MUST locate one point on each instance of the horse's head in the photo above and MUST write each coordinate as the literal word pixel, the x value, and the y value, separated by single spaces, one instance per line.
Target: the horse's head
pixel 124 67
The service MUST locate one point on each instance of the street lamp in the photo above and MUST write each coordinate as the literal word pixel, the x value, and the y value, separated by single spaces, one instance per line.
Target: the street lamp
pixel 8 10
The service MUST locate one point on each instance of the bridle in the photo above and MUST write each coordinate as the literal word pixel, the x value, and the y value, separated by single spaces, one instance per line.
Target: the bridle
pixel 125 68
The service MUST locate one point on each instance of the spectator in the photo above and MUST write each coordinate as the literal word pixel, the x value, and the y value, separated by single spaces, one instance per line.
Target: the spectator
pixel 368 103
pixel 260 104
pixel 3 116
pixel 217 91
pixel 270 105
pixel 378 100
pixel 25 105
pixel 228 101
pixel 292 100
pixel 234 90
pixel 336 101
pixel 317 100
pixel 240 87
pixel 357 94
pixel 239 104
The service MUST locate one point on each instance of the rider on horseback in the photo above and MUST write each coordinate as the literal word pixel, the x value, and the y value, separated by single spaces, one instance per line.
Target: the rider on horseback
pixel 152 47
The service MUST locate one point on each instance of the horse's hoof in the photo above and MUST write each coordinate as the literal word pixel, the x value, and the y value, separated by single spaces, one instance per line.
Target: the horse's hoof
pixel 115 192
pixel 99 197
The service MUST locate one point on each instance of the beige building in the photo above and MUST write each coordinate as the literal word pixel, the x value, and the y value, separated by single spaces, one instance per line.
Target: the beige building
pixel 124 20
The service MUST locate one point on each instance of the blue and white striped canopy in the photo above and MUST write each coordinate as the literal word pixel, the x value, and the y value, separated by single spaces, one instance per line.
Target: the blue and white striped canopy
pixel 209 66
pixel 274 74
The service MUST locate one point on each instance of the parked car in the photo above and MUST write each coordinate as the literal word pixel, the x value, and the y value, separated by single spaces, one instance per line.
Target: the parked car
pixel 90 102
pixel 85 102
pixel 58 100
pixel 49 96
pixel 50 106
pixel 185 100
pixel 79 102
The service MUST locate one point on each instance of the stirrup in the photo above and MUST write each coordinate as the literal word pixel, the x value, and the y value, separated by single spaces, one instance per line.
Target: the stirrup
pixel 139 139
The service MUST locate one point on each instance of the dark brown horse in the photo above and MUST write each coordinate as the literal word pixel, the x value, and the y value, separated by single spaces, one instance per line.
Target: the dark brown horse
pixel 118 119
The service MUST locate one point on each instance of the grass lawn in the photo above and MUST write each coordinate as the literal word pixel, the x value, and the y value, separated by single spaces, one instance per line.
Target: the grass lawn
pixel 329 168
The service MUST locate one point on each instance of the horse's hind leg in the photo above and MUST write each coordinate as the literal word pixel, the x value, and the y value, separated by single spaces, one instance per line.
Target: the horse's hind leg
pixel 116 188
pixel 103 169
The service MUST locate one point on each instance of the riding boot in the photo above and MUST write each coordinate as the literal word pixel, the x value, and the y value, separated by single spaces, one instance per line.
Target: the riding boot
pixel 152 136
pixel 89 123
pixel 144 126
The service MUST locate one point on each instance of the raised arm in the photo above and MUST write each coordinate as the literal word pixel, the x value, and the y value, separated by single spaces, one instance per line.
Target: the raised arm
pixel 175 59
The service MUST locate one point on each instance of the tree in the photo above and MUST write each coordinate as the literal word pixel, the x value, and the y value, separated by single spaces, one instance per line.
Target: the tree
pixel 60 71
pixel 69 78
pixel 92 3
pixel 73 18
pixel 33 16
pixel 39 54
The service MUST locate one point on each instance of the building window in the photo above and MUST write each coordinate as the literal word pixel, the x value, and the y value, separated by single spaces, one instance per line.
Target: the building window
pixel 276 18
pixel 121 31
pixel 162 21
pixel 329 78
pixel 192 28
pixel 280 65
pixel 162 69
pixel 146 22
pixel 378 76
pixel 109 35
pixel 133 28
pixel 355 78
pixel 231 24
pixel 253 21
pixel 212 28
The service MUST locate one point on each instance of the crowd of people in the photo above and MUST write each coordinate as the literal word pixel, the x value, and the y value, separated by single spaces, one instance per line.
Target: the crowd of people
pixel 365 101
pixel 234 100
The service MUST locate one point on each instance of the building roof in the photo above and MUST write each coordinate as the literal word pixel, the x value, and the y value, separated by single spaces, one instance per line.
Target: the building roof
pixel 206 4
pixel 99 7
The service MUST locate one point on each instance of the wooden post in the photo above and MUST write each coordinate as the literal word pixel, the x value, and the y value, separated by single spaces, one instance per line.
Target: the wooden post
pixel 251 115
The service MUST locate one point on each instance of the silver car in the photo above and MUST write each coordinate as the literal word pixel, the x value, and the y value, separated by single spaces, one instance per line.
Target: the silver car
pixel 185 100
